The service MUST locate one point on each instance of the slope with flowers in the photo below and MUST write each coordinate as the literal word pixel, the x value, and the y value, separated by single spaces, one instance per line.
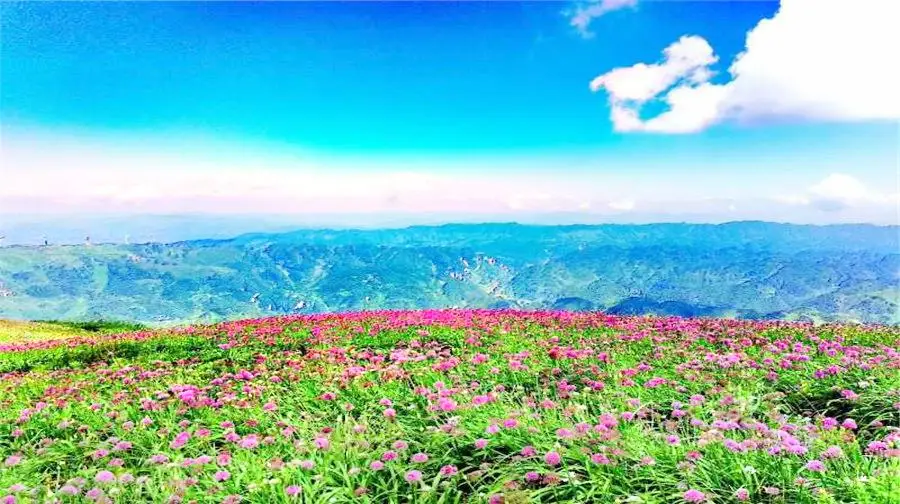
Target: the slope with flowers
pixel 456 406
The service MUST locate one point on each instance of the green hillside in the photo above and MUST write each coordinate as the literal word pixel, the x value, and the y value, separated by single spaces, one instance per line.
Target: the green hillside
pixel 747 270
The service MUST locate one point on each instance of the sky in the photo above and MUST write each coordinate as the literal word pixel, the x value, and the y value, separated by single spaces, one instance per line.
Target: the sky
pixel 365 113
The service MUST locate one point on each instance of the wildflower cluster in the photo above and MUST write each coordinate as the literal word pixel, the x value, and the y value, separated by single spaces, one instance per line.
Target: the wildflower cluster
pixel 456 406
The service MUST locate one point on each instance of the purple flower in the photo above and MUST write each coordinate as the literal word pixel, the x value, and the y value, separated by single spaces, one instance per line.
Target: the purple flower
pixel 221 475
pixel 552 458
pixel 832 452
pixel 815 466
pixel 105 477
pixel 69 490
pixel 694 496
pixel 413 476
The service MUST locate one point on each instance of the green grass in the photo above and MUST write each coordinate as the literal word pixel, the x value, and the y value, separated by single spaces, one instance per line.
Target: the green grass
pixel 66 406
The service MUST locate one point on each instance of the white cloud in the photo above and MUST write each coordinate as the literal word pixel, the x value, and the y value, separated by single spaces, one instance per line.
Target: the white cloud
pixel 622 205
pixel 840 191
pixel 64 175
pixel 588 11
pixel 813 60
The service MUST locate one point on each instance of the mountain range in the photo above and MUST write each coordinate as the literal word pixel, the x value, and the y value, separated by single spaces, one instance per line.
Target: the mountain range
pixel 741 269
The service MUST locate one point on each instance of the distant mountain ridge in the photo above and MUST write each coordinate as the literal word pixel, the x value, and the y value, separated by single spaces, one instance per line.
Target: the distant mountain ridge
pixel 741 269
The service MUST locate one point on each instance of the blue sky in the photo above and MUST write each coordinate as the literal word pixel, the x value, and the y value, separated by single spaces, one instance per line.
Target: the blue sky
pixel 369 107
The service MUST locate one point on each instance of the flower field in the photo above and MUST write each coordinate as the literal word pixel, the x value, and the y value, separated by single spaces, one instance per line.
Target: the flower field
pixel 456 406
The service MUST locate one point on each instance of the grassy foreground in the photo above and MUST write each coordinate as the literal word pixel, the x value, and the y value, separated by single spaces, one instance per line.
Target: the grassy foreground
pixel 454 406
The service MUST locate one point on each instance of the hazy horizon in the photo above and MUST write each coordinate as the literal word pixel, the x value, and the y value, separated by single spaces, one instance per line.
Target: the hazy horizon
pixel 185 227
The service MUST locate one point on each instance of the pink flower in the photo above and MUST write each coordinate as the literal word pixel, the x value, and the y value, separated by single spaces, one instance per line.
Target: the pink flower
pixel 694 496
pixel 180 440
pixel 599 458
pixel 400 445
pixel 292 490
pixel 446 404
pixel 449 470
pixel 532 476
pixel 70 490
pixel 742 494
pixel 876 447
pixel 389 455
pixel 849 424
pixel 849 395
pixel 249 442
pixel 413 476
pixel 419 458
pixel 390 413
pixel 13 460
pixel 321 443
pixel 552 458
pixel 832 452
pixel 105 477
pixel 376 465
pixel 307 465
pixel 480 400
pixel 528 451
pixel 221 475
pixel 815 466
pixel 159 458
pixel 481 443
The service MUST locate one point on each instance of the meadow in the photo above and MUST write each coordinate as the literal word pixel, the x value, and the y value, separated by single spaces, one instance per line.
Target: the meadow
pixel 454 406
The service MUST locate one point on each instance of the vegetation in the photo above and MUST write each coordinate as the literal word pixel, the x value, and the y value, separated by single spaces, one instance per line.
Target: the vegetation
pixel 456 406
pixel 745 270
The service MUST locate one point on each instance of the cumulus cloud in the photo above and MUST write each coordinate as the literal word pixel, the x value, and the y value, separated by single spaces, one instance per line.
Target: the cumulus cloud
pixel 813 60
pixel 585 12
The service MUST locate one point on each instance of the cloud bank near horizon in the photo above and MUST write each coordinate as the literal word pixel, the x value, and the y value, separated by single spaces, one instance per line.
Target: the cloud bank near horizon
pixel 94 176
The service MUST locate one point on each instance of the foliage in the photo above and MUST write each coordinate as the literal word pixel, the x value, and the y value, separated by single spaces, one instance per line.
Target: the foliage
pixel 456 406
